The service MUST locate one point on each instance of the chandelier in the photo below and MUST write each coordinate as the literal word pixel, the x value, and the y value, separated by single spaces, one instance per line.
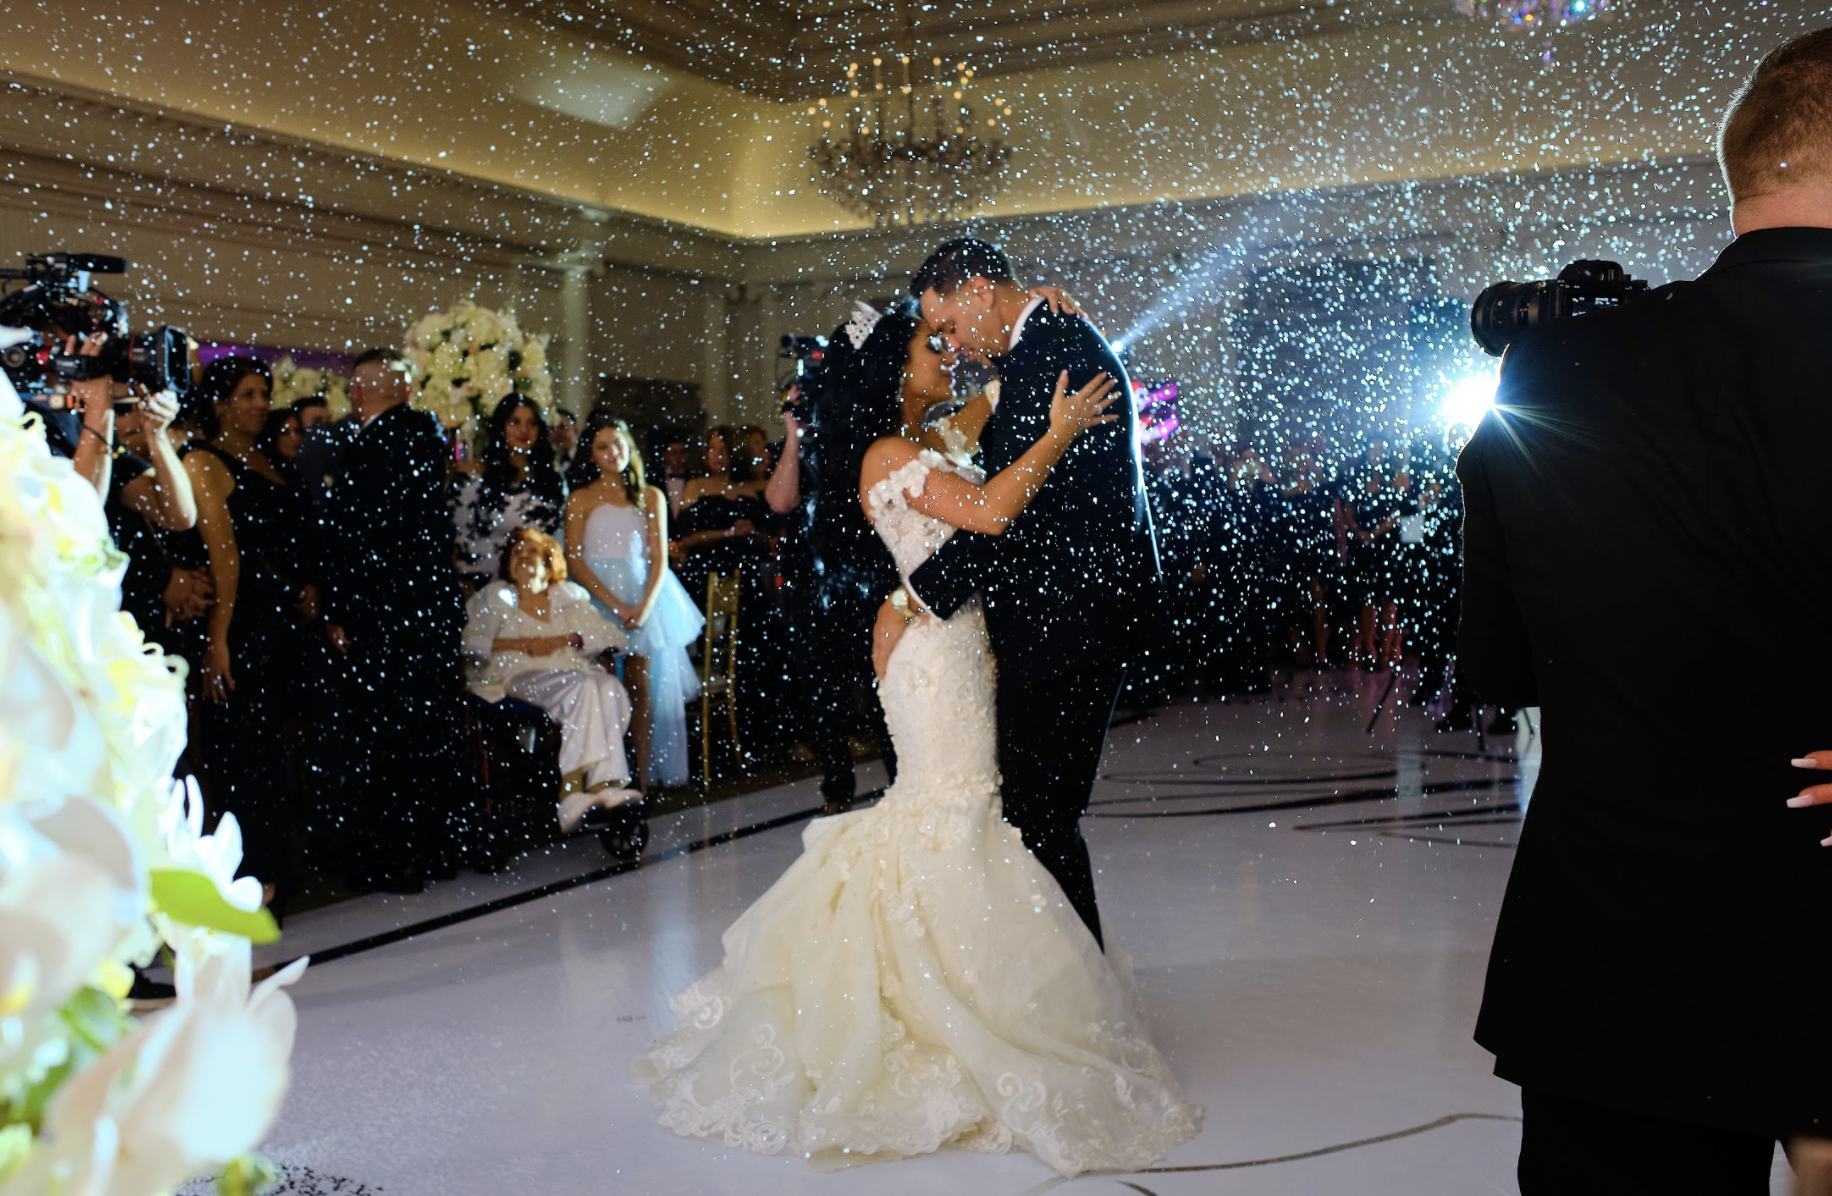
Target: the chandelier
pixel 910 152
pixel 1534 15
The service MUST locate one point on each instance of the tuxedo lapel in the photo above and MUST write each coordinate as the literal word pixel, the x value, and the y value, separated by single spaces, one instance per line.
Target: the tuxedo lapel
pixel 1024 399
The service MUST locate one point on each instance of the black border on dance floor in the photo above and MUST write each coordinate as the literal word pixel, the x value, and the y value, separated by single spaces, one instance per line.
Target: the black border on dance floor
pixel 511 900
pixel 618 868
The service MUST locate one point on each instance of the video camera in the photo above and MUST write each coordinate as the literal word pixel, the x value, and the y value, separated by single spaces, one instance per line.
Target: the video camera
pixel 57 302
pixel 1507 309
pixel 802 357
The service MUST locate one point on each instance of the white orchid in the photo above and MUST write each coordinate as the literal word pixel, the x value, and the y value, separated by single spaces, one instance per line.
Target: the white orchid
pixel 216 856
pixel 193 1087
pixel 72 893
pixel 95 844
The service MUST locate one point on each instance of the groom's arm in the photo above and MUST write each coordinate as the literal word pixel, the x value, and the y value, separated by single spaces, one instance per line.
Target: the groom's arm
pixel 954 573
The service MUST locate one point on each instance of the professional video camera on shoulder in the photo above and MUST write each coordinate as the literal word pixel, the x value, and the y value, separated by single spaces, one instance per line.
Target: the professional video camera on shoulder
pixel 802 358
pixel 1507 309
pixel 64 310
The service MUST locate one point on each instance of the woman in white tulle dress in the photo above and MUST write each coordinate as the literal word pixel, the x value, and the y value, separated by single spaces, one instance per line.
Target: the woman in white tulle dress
pixel 917 981
pixel 616 547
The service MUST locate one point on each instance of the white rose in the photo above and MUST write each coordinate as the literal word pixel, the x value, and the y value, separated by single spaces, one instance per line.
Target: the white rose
pixel 447 361
pixel 489 371
pixel 485 326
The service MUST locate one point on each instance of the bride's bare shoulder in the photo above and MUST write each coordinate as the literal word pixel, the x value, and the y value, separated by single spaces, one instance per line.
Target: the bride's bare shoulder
pixel 886 456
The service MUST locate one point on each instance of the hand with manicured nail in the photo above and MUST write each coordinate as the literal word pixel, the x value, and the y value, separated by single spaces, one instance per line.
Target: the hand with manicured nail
pixel 1814 795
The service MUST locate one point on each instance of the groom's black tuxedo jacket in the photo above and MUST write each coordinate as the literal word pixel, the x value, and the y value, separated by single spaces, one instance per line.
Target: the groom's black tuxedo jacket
pixel 1067 582
pixel 1648 558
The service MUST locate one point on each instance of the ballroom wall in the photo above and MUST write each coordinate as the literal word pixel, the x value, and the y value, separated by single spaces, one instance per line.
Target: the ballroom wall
pixel 680 305
pixel 1169 280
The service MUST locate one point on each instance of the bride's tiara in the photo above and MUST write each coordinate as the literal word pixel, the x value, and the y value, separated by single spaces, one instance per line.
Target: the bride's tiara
pixel 864 319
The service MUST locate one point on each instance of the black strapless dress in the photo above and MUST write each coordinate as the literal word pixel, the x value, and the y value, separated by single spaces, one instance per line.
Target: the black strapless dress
pixel 746 556
pixel 239 761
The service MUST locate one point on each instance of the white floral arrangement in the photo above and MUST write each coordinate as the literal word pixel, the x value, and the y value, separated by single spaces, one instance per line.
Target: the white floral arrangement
pixel 469 358
pixel 103 865
pixel 292 383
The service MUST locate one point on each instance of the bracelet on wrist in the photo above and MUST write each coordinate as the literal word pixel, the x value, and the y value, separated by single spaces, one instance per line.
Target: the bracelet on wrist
pixel 900 602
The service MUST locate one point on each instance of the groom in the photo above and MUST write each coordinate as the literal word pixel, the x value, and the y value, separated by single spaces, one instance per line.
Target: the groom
pixel 1067 583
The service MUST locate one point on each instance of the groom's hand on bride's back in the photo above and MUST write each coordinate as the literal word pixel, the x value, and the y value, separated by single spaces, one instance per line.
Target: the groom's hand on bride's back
pixel 1815 795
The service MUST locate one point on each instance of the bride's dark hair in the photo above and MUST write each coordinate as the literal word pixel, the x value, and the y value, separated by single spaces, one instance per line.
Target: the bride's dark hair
pixel 862 391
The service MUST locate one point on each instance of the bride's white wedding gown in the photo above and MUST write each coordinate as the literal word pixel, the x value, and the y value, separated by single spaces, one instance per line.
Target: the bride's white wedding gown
pixel 917 980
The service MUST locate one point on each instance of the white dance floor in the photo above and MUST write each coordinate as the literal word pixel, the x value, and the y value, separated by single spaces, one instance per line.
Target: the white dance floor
pixel 1308 907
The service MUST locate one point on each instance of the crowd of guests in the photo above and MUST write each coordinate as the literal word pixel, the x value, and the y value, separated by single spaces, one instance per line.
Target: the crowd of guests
pixel 350 604
pixel 1300 562
pixel 346 601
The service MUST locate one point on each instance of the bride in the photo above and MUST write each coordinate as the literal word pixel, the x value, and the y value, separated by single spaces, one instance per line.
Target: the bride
pixel 916 980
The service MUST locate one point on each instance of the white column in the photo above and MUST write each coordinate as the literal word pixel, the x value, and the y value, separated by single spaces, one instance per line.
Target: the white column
pixel 715 371
pixel 574 387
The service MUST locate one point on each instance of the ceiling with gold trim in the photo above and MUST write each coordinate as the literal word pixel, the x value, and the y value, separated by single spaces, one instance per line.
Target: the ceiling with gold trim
pixel 795 49
pixel 1113 104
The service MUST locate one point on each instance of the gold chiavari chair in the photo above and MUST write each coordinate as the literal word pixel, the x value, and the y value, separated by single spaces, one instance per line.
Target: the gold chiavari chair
pixel 719 667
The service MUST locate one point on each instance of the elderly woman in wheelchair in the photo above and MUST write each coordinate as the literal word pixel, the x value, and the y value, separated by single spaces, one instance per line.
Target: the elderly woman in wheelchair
pixel 536 636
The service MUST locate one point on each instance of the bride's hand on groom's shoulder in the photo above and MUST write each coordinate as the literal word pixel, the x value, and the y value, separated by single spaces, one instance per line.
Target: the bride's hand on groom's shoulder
pixel 1815 795
pixel 1084 409
pixel 1058 300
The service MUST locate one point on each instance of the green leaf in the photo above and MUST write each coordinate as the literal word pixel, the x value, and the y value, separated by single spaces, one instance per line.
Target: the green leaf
pixel 193 898
pixel 249 1175
pixel 95 1019
pixel 15 1145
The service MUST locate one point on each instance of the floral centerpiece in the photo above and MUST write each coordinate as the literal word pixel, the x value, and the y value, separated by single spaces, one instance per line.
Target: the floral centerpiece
pixel 469 358
pixel 292 383
pixel 104 864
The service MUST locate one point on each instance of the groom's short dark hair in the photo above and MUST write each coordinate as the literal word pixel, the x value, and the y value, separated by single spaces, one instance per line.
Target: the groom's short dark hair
pixel 949 267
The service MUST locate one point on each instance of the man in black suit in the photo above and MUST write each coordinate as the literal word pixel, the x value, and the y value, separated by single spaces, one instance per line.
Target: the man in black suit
pixel 396 612
pixel 1647 515
pixel 320 450
pixel 1066 586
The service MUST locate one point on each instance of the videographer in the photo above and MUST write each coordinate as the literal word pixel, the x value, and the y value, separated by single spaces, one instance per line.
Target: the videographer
pixel 125 452
pixel 837 572
pixel 1654 476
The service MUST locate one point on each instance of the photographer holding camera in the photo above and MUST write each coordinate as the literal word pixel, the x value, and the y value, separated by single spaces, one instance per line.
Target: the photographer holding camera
pixel 1655 475
pixel 105 401
pixel 837 572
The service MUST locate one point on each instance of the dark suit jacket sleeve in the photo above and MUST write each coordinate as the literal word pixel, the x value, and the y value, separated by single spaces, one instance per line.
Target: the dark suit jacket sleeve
pixel 1493 651
pixel 954 572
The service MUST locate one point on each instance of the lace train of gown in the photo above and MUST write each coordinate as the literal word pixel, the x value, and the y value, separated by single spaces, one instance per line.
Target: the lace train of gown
pixel 916 980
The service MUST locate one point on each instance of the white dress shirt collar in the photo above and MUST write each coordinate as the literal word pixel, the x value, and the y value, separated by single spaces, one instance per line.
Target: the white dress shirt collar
pixel 1017 329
